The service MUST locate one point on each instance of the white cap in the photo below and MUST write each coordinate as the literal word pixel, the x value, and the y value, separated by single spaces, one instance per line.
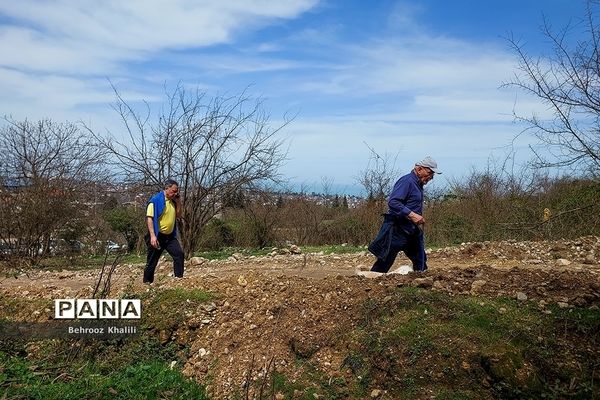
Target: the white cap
pixel 430 163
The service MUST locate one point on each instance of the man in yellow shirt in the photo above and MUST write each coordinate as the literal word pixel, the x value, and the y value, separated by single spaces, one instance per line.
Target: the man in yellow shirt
pixel 162 212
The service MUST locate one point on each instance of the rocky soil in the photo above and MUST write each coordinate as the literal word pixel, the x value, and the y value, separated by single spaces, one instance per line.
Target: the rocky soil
pixel 269 311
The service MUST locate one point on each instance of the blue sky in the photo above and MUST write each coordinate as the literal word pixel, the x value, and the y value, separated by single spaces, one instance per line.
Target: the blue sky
pixel 406 78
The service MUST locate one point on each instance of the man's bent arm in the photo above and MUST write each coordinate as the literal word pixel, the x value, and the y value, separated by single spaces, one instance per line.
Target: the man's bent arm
pixel 150 225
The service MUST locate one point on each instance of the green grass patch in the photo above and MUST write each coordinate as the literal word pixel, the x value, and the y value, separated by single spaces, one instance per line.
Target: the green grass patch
pixel 333 249
pixel 578 320
pixel 140 367
pixel 82 262
pixel 469 346
pixel 229 251
pixel 178 295
pixel 313 384
pixel 20 379
pixel 167 309
pixel 11 307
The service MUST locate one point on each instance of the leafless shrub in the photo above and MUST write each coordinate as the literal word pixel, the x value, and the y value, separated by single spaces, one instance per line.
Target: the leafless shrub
pixel 45 170
pixel 495 205
pixel 103 282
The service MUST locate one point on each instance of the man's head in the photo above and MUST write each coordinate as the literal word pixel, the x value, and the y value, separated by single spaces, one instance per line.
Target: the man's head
pixel 171 188
pixel 426 169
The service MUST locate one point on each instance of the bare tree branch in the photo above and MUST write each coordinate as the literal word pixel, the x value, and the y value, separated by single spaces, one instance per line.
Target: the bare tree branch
pixel 379 175
pixel 212 147
pixel 568 81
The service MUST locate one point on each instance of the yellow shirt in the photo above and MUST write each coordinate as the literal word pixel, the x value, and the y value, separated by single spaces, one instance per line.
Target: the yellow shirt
pixel 166 221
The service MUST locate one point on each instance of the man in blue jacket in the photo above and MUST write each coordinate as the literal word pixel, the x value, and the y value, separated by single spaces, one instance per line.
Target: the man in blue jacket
pixel 162 212
pixel 402 227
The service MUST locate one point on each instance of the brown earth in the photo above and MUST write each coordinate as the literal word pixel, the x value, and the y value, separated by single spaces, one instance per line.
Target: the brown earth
pixel 269 311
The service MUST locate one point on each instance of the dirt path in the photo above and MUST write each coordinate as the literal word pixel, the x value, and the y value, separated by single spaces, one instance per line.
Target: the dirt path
pixel 554 258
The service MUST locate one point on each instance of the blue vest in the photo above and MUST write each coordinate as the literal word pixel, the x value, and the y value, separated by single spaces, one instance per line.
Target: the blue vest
pixel 160 202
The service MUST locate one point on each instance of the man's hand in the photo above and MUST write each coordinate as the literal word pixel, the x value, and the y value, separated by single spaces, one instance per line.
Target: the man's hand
pixel 154 242
pixel 416 218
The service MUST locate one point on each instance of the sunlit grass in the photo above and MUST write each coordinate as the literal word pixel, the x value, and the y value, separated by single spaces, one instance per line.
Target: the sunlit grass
pixel 20 379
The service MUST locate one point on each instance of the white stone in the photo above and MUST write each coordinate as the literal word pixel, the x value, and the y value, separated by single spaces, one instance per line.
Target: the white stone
pixel 194 261
pixel 521 296
pixel 402 270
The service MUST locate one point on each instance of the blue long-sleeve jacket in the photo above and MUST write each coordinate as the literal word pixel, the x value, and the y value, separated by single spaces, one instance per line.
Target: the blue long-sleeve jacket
pixel 406 196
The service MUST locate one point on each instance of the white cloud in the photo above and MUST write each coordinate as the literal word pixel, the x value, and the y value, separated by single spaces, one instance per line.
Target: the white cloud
pixel 29 50
pixel 426 78
pixel 30 95
pixel 62 35
pixel 416 64
pixel 404 15
pixel 229 64
pixel 60 97
pixel 57 55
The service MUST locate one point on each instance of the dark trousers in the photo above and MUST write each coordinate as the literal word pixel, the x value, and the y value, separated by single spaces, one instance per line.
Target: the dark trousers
pixel 412 245
pixel 172 246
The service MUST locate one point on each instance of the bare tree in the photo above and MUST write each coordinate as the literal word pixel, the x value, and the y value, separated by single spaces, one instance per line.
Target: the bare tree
pixel 568 82
pixel 213 147
pixel 44 169
pixel 379 175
